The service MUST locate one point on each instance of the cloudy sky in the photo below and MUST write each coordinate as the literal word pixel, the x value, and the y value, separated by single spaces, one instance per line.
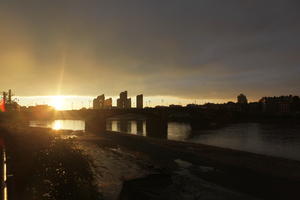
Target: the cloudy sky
pixel 183 48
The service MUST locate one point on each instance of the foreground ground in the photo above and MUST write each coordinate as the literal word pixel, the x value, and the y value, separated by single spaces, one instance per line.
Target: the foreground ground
pixel 45 164
pixel 44 167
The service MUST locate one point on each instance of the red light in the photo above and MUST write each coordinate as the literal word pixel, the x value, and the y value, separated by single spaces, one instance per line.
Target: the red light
pixel 2 106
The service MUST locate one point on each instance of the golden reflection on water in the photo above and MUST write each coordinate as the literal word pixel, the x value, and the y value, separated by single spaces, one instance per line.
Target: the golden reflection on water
pixel 57 125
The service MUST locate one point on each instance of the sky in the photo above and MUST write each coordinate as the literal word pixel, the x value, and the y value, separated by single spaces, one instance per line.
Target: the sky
pixel 187 49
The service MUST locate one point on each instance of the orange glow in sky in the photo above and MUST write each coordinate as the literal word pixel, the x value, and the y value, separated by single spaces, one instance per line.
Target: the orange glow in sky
pixel 63 102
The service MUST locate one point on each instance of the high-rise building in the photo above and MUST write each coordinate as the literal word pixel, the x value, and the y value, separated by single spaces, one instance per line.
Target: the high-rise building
pixel 128 103
pixel 123 101
pixel 98 102
pixel 139 101
pixel 108 103
pixel 123 95
pixel 119 105
pixel 101 100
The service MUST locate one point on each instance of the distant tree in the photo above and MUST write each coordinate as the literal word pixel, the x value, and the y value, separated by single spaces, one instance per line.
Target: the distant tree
pixel 242 99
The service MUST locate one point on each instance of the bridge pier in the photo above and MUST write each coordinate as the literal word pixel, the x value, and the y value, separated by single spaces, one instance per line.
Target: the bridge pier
pixel 124 127
pixel 157 126
pixel 199 123
pixel 139 127
pixel 96 124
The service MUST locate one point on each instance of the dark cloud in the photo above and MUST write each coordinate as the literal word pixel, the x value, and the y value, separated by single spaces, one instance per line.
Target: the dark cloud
pixel 190 48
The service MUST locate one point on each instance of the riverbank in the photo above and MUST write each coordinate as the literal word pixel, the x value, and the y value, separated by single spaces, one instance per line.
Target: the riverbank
pixel 45 167
pixel 257 175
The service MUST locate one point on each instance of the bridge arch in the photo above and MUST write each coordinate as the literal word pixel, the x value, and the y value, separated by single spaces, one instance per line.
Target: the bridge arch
pixel 156 121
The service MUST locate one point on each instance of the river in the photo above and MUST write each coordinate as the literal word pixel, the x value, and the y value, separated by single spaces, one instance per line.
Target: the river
pixel 277 139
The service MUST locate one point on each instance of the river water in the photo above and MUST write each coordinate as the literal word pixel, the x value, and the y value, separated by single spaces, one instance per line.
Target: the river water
pixel 281 139
pixel 75 125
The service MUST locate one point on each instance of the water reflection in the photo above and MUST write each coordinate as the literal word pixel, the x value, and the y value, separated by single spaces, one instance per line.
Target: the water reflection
pixel 75 125
pixel 179 131
pixel 57 125
pixel 281 140
pixel 271 139
pixel 176 131
pixel 137 127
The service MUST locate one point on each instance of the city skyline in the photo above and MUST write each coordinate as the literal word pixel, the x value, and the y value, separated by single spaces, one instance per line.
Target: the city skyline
pixel 78 102
pixel 87 101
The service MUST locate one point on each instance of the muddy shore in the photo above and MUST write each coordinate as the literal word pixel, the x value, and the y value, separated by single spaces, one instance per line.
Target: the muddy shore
pixel 260 176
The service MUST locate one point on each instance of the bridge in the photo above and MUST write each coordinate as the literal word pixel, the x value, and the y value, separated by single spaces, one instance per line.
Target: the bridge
pixel 156 118
pixel 95 120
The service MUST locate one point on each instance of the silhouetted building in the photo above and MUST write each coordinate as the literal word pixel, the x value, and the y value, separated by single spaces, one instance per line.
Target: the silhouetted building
pixel 242 99
pixel 282 104
pixel 119 104
pixel 123 101
pixel 161 107
pixel 175 106
pixel 38 108
pixel 139 101
pixel 212 106
pixel 192 105
pixel 13 106
pixel 128 103
pixel 8 104
pixel 101 99
pixel 108 103
pixel 98 103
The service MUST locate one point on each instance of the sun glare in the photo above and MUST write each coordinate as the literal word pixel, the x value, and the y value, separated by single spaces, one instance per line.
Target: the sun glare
pixel 57 102
pixel 57 125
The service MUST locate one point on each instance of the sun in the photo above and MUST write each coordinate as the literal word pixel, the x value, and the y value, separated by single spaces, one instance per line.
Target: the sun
pixel 57 125
pixel 57 102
